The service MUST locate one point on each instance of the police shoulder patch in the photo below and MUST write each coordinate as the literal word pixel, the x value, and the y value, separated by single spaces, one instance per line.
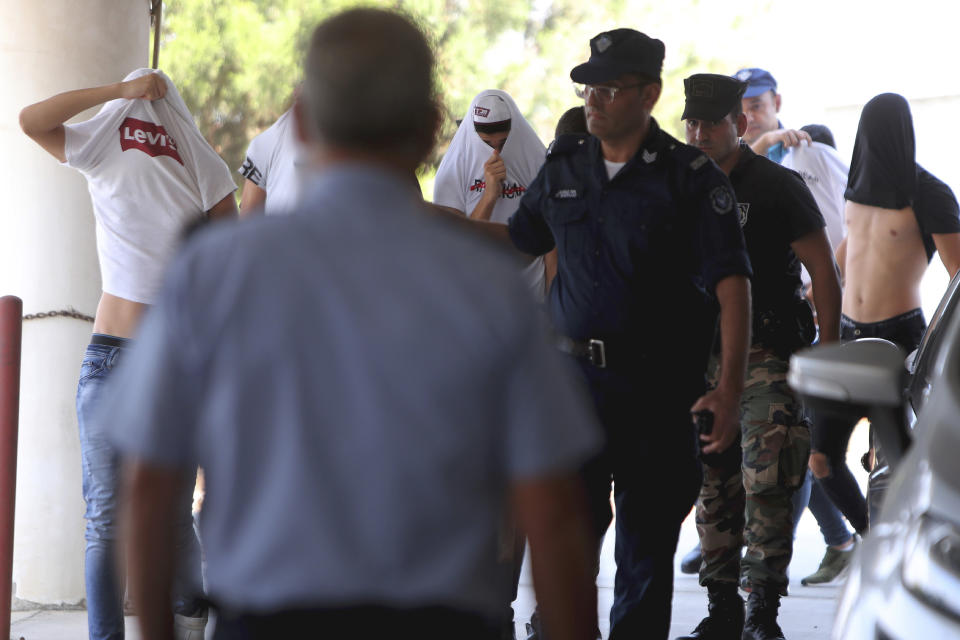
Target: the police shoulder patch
pixel 721 199
pixel 566 144
pixel 699 161
pixel 744 208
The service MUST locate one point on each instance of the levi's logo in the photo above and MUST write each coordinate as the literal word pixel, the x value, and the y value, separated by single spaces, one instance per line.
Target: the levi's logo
pixel 148 137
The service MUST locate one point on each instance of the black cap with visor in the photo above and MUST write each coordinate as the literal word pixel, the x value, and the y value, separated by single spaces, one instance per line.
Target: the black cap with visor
pixel 614 53
pixel 710 97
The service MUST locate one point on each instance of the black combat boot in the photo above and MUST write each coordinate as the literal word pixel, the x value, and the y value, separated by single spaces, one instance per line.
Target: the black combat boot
pixel 725 615
pixel 761 621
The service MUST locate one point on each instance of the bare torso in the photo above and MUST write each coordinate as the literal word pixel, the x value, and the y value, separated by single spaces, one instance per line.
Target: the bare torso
pixel 118 316
pixel 884 263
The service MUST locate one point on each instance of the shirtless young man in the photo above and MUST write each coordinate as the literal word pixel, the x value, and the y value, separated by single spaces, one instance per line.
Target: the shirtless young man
pixel 150 174
pixel 897 215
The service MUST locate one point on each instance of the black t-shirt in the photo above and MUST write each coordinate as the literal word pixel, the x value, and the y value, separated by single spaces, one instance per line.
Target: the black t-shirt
pixel 936 209
pixel 776 208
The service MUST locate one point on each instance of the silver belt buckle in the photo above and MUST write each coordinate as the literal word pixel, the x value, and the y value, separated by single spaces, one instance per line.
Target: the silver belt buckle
pixel 598 353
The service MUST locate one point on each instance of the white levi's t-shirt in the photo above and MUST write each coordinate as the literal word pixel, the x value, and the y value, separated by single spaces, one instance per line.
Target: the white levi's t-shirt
pixel 276 163
pixel 825 173
pixel 150 173
pixel 460 182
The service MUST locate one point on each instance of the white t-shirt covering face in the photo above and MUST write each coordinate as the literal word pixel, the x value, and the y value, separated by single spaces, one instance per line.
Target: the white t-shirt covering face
pixel 150 173
pixel 460 183
pixel 276 163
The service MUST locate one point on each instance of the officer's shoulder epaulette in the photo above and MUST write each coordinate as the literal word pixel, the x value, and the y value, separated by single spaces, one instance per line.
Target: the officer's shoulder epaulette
pixel 566 144
pixel 687 156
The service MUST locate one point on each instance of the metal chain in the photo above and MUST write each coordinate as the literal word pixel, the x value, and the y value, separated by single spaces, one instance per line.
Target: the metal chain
pixel 69 312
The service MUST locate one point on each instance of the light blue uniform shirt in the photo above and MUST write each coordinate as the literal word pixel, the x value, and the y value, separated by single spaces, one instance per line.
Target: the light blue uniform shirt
pixel 361 382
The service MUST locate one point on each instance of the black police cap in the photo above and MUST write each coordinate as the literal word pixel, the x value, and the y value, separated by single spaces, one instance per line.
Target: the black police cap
pixel 711 96
pixel 614 53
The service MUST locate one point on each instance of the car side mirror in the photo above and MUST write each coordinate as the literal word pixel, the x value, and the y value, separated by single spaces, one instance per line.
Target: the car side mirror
pixel 861 378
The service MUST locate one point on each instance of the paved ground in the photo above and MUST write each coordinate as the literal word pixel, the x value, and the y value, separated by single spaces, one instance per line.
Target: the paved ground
pixel 807 614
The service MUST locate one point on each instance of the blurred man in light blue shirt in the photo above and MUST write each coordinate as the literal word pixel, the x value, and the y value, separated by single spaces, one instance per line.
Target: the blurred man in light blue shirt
pixel 368 388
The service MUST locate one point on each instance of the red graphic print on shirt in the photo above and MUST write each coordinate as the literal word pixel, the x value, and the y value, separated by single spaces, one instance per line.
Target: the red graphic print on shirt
pixel 148 137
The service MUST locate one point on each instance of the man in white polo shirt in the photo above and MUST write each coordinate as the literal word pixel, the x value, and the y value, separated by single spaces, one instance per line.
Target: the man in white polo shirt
pixel 151 175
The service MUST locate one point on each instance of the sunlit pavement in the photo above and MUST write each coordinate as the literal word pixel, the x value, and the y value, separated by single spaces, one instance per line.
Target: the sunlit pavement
pixel 806 614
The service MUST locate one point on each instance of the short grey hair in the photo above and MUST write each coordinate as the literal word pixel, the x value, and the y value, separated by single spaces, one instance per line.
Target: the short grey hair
pixel 369 83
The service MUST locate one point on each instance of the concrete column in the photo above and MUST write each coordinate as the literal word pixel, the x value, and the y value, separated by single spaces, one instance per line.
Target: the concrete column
pixel 48 258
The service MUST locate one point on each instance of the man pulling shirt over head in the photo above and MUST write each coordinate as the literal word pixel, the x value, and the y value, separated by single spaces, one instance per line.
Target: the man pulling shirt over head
pixel 493 157
pixel 898 215
pixel 151 174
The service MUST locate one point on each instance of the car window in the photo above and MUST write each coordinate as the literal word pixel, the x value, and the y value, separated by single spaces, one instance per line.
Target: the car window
pixel 922 360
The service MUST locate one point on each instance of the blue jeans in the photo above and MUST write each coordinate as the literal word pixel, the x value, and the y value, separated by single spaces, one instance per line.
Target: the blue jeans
pixel 101 469
pixel 829 518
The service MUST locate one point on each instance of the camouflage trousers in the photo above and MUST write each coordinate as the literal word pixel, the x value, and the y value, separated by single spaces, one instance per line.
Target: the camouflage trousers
pixel 746 499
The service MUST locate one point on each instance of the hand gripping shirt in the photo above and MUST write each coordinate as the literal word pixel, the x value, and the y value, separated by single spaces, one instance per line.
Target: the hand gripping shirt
pixel 639 254
pixel 775 208
pixel 275 162
pixel 460 181
pixel 150 173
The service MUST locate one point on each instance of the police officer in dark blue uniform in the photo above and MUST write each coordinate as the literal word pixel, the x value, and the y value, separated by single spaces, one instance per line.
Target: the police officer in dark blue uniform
pixel 647 233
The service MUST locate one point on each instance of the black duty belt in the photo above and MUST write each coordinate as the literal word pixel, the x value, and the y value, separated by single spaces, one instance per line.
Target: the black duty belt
pixel 593 350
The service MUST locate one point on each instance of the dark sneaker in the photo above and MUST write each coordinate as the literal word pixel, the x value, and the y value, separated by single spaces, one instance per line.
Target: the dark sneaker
pixel 833 564
pixel 691 562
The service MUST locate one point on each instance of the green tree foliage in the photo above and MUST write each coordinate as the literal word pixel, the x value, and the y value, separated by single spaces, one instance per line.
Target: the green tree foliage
pixel 236 63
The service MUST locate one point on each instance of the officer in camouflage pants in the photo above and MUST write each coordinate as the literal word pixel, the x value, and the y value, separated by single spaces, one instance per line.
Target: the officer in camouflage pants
pixel 746 499
pixel 747 489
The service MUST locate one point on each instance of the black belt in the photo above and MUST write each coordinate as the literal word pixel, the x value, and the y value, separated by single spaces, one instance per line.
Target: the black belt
pixel 593 350
pixel 109 341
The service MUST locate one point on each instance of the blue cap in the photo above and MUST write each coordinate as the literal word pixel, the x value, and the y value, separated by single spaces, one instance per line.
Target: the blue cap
pixel 758 81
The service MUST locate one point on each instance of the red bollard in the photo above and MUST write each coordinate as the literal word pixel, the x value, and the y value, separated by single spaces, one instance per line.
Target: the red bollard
pixel 11 328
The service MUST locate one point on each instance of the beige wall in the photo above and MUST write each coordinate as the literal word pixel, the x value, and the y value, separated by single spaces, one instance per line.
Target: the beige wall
pixel 48 258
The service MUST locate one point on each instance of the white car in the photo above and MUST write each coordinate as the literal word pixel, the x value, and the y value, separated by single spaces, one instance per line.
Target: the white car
pixel 904 581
